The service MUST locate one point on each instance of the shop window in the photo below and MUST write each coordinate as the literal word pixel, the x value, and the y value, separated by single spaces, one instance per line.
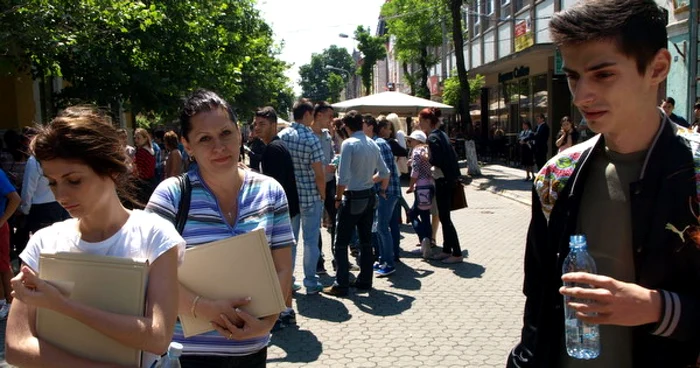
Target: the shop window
pixel 524 98
pixel 540 96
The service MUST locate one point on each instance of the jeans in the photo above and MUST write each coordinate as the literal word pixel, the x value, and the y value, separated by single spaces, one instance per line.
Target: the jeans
pixel 255 360
pixel 295 221
pixel 395 226
pixel 443 196
pixel 420 219
pixel 329 205
pixel 354 213
pixel 310 223
pixel 385 210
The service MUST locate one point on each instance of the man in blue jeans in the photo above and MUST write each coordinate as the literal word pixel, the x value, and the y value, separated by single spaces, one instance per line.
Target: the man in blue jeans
pixel 386 202
pixel 360 166
pixel 307 157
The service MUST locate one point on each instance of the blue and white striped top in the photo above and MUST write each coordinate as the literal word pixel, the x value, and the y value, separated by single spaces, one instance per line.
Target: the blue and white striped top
pixel 261 204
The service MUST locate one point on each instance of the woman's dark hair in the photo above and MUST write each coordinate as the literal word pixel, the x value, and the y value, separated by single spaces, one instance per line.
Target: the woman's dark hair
pixel 431 113
pixel 170 140
pixel 338 126
pixel 86 134
pixel 529 125
pixel 202 100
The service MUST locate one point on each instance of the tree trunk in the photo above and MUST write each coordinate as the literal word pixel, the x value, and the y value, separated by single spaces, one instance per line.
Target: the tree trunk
pixel 465 91
pixel 409 78
pixel 423 90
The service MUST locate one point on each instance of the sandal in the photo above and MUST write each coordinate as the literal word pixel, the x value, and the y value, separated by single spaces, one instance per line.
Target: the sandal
pixel 440 256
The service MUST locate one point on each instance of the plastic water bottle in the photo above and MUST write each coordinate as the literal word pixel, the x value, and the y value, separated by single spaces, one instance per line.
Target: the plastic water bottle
pixel 582 339
pixel 172 359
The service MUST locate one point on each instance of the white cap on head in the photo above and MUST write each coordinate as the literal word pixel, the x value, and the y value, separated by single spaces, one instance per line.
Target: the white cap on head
pixel 418 135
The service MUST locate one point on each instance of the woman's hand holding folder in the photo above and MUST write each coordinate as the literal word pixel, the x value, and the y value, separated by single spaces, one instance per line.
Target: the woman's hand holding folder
pixel 252 327
pixel 30 289
pixel 212 310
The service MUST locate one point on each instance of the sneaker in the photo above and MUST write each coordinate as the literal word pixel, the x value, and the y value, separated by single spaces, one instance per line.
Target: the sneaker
pixel 296 286
pixel 4 311
pixel 376 266
pixel 288 319
pixel 278 325
pixel 385 271
pixel 314 289
pixel 321 271
pixel 335 291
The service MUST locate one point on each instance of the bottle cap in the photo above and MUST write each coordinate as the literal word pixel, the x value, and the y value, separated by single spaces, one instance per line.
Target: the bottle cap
pixel 175 349
pixel 577 241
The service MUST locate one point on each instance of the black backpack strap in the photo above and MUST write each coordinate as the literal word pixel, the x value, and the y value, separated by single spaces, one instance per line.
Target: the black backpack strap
pixel 183 207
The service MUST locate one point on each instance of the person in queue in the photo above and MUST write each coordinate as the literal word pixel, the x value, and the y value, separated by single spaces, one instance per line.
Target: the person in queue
pixel 86 166
pixel 226 200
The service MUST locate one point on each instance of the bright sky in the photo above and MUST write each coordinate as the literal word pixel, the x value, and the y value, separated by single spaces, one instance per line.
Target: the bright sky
pixel 309 26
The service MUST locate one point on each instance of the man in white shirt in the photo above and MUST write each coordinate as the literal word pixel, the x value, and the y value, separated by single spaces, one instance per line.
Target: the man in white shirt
pixel 38 202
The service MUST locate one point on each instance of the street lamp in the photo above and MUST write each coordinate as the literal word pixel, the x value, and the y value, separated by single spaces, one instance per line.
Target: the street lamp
pixel 347 84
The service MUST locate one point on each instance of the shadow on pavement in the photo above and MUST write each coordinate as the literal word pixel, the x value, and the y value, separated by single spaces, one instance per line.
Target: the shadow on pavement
pixel 320 307
pixel 407 278
pixel 465 270
pixel 382 303
pixel 301 346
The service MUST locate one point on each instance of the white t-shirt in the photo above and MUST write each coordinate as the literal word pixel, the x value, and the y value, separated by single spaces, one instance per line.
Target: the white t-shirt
pixel 144 235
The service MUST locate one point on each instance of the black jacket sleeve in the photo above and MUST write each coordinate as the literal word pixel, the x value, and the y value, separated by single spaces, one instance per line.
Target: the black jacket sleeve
pixel 435 150
pixel 396 149
pixel 536 257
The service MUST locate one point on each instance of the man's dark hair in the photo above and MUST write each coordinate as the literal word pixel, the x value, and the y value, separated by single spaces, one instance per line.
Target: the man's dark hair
pixel 381 124
pixel 301 107
pixel 697 106
pixel 202 100
pixel 638 27
pixel 353 120
pixel 267 113
pixel 541 116
pixel 322 107
pixel 371 121
pixel 670 100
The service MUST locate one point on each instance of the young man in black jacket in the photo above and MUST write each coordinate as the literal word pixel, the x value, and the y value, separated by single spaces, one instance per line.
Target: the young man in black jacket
pixel 632 190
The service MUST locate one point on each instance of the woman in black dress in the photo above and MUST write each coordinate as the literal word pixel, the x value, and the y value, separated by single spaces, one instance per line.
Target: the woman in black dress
pixel 526 138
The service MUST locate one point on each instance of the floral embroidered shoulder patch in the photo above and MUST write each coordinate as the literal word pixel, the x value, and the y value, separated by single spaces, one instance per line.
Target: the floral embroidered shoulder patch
pixel 552 178
pixel 691 232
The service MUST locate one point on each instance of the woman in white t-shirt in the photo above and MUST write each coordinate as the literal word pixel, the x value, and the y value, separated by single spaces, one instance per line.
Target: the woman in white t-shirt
pixel 86 165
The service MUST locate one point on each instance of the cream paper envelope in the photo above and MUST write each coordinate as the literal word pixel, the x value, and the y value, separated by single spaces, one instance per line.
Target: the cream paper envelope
pixel 112 284
pixel 236 267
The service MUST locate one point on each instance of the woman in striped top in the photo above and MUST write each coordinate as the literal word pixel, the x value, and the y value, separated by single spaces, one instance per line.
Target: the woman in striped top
pixel 225 201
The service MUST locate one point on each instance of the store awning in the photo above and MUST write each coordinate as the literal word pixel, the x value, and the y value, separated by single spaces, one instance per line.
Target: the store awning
pixel 388 102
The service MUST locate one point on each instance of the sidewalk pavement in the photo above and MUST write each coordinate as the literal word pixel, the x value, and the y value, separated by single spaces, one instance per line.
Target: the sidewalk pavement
pixel 427 314
pixel 503 180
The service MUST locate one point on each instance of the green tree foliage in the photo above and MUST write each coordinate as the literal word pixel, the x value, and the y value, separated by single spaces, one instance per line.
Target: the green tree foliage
pixel 373 49
pixel 416 26
pixel 319 83
pixel 146 54
pixel 452 89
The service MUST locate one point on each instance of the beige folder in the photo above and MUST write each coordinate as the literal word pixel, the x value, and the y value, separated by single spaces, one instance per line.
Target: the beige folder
pixel 235 267
pixel 112 284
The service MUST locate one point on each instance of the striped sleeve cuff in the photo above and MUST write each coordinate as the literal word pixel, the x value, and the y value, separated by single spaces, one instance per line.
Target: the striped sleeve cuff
pixel 670 314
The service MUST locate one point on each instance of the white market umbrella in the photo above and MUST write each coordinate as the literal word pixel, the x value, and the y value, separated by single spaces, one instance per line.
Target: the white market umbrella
pixel 388 102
